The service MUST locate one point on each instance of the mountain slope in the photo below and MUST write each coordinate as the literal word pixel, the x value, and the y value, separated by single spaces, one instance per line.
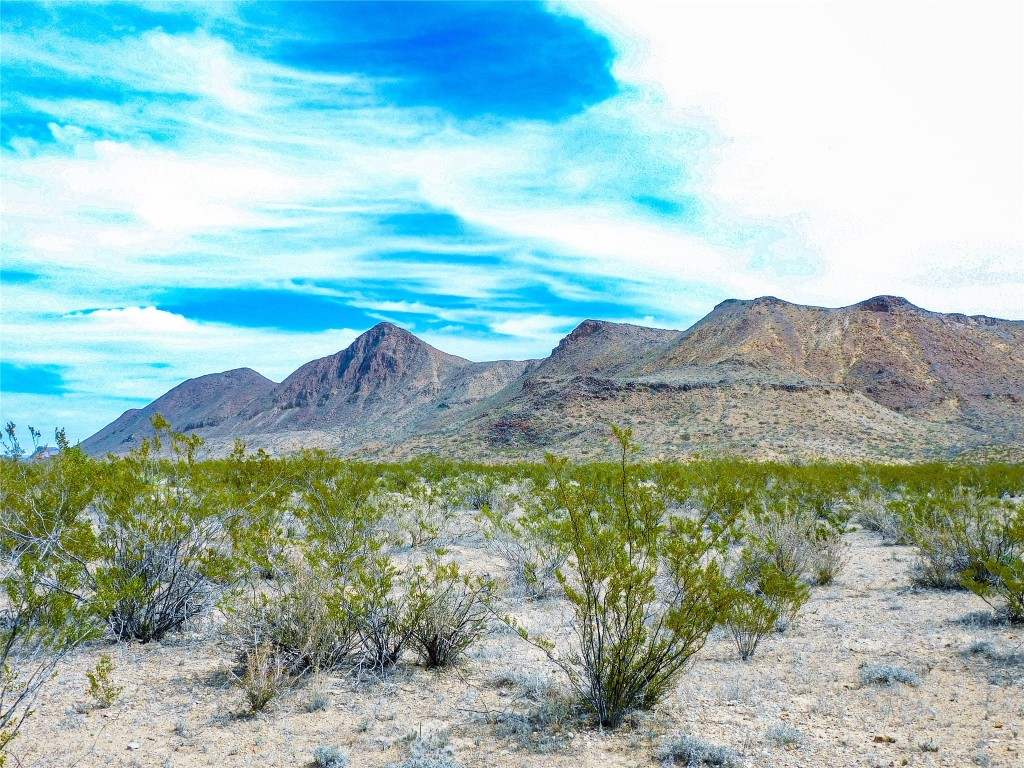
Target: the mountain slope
pixel 387 384
pixel 881 379
pixel 903 357
pixel 194 405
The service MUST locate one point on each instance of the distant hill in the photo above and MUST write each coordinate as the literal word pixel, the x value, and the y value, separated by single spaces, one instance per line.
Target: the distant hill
pixel 195 405
pixel 880 380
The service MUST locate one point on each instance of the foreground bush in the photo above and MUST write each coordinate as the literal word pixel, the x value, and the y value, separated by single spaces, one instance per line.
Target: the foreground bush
pixel 765 599
pixel 518 531
pixel 305 621
pixel 44 538
pixel 645 588
pixel 173 537
pixel 967 540
pixel 996 573
pixel 447 610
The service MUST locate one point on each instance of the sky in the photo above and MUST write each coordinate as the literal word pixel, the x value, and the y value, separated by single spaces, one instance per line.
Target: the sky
pixel 190 188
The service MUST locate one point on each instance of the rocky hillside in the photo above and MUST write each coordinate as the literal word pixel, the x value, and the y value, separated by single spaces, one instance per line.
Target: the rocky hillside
pixel 881 379
pixel 198 404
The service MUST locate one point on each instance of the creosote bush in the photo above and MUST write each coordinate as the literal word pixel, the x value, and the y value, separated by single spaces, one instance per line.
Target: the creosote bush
pixel 173 536
pixel 967 540
pixel 45 536
pixel 763 598
pixel 304 619
pixel 101 683
pixel 645 588
pixel 447 610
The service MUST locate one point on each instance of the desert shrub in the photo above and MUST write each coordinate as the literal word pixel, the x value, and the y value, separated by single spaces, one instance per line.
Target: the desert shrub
pixel 305 618
pixel 478 491
pixel 316 696
pixel 968 540
pixel 263 678
pixel 887 674
pixel 46 540
pixel 830 555
pixel 341 513
pixel 447 610
pixel 693 752
pixel 783 735
pixel 878 512
pixel 764 597
pixel 101 683
pixel 645 588
pixel 381 612
pixel 329 756
pixel 172 537
pixel 782 535
pixel 518 531
pixel 996 572
pixel 541 714
pixel 798 539
pixel 425 512
pixel 259 486
pixel 430 752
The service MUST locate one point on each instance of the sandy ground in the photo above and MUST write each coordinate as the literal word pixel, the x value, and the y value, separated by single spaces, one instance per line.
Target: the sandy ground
pixel 178 710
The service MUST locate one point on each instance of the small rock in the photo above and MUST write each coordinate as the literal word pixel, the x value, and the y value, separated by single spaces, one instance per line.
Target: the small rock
pixel 133 745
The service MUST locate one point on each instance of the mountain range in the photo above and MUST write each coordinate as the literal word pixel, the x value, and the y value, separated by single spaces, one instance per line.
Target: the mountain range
pixel 879 380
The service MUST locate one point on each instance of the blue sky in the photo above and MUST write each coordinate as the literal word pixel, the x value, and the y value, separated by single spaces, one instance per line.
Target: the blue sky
pixel 195 187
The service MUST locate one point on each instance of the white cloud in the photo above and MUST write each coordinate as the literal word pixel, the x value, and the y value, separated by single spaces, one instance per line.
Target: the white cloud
pixel 888 134
pixel 839 150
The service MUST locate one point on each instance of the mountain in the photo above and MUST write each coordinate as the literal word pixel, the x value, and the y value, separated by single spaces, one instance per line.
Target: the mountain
pixel 193 405
pixel 386 384
pixel 765 378
pixel 881 379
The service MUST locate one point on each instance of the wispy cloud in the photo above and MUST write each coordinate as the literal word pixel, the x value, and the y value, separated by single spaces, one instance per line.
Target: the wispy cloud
pixel 190 188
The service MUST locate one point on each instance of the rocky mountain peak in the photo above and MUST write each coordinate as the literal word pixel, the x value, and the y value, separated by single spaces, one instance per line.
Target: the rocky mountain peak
pixel 885 304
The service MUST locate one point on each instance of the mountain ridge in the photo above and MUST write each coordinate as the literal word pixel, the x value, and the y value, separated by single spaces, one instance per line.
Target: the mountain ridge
pixel 880 379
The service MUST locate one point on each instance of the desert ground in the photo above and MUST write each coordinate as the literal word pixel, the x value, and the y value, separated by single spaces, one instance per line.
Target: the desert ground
pixel 801 700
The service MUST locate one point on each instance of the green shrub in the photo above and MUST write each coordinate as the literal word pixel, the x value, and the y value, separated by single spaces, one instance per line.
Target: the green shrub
pixel 172 537
pixel 645 588
pixel 519 531
pixel 101 684
pixel 996 573
pixel 968 540
pixel 46 543
pixel 306 619
pixel 382 615
pixel 764 598
pixel 447 610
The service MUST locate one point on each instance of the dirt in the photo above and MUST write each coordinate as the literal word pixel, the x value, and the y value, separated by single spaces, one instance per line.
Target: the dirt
pixel 178 708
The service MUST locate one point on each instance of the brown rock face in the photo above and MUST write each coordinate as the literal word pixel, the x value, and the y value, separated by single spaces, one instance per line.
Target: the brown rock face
pixel 882 379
